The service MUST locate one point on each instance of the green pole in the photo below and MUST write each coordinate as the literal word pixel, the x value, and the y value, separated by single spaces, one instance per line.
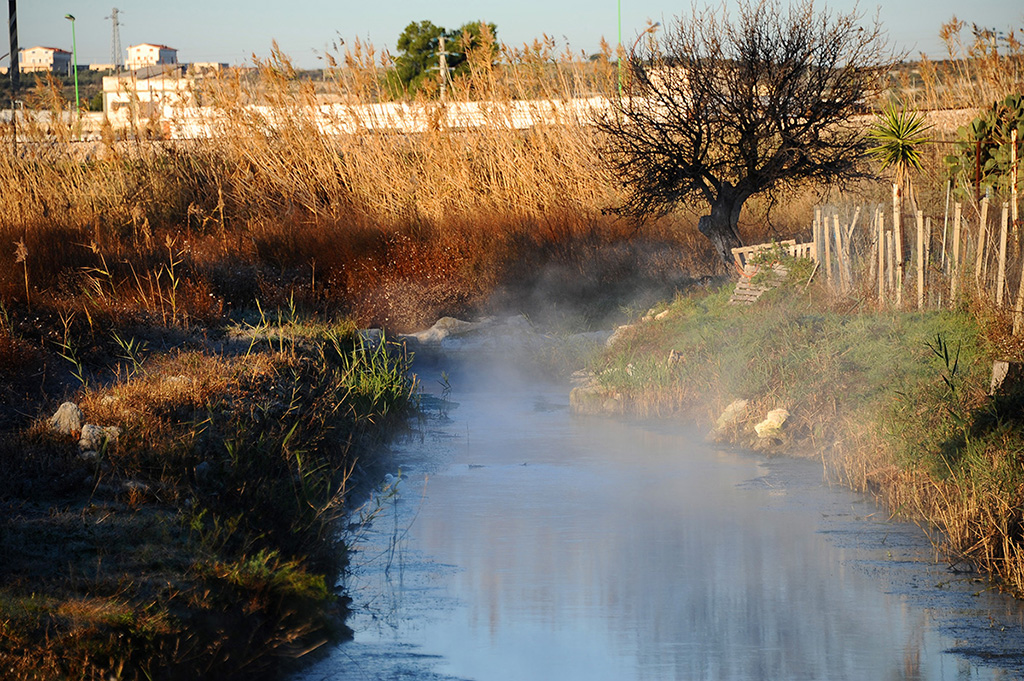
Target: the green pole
pixel 74 59
pixel 618 56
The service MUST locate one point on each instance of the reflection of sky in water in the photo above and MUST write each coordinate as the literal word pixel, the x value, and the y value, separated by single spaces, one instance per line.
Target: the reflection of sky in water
pixel 629 552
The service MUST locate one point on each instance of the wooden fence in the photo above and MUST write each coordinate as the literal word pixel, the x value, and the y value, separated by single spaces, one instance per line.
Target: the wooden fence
pixel 928 262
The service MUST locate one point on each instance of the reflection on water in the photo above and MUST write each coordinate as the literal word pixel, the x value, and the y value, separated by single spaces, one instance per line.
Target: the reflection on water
pixel 525 543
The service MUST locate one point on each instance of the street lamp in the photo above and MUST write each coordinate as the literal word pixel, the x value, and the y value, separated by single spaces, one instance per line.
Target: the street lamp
pixel 618 56
pixel 74 58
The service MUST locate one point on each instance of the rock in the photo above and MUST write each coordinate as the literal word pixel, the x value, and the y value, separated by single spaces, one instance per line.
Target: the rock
pixel 370 338
pixel 590 338
pixel 619 333
pixel 661 315
pixel 444 328
pixel 68 419
pixel 736 410
pixel 1006 377
pixel 582 377
pixel 733 414
pixel 203 472
pixel 94 437
pixel 771 427
pixel 135 486
pixel 590 398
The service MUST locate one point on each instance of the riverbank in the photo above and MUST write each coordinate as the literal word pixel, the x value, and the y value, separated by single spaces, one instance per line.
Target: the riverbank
pixel 895 403
pixel 179 518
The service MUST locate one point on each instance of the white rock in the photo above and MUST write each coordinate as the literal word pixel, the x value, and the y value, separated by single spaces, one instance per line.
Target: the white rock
pixel 733 413
pixel 618 334
pixel 68 419
pixel 95 437
pixel 772 424
pixel 370 338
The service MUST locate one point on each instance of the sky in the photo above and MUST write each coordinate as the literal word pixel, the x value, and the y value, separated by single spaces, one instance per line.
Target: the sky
pixel 232 32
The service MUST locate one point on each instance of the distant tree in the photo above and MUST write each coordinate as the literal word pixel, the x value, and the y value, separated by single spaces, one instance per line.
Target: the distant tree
pixel 420 45
pixel 720 110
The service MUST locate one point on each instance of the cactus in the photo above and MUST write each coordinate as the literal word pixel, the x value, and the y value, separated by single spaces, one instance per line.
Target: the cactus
pixel 982 149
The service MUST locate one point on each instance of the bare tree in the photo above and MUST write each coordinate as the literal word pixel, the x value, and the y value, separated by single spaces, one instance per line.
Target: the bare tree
pixel 717 110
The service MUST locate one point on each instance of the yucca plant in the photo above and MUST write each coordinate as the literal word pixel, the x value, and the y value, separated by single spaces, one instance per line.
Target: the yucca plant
pixel 900 134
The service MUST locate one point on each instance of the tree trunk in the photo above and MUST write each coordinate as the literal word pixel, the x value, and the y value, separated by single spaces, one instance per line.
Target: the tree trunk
pixel 721 225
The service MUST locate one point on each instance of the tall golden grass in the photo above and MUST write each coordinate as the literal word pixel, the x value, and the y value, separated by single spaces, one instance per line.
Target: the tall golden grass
pixel 980 66
pixel 443 215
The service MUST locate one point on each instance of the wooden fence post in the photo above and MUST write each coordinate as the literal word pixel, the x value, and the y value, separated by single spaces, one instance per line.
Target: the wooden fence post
pixel 1013 175
pixel 826 232
pixel 1018 306
pixel 979 263
pixel 897 237
pixel 880 221
pixel 842 262
pixel 954 270
pixel 819 252
pixel 920 260
pixel 891 261
pixel 1001 274
pixel 927 251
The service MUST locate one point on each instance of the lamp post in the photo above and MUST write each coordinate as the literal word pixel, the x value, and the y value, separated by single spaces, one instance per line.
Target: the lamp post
pixel 618 56
pixel 74 59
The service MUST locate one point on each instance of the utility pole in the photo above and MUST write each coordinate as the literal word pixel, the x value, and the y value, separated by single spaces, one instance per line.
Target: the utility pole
pixel 442 57
pixel 115 39
pixel 74 65
pixel 12 7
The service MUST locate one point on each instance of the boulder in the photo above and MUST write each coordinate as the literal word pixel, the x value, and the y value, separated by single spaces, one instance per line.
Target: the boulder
pixel 619 333
pixel 67 420
pixel 1007 377
pixel 94 438
pixel 733 414
pixel 370 338
pixel 446 327
pixel 771 427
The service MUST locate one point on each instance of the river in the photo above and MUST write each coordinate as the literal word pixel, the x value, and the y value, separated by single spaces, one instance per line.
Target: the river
pixel 521 542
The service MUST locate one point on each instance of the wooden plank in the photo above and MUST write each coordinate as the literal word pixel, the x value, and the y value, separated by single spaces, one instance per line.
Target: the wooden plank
pixel 897 237
pixel 954 269
pixel 1001 273
pixel 979 261
pixel 880 242
pixel 920 260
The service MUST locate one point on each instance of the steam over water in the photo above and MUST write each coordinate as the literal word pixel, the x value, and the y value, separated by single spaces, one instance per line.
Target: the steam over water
pixel 525 543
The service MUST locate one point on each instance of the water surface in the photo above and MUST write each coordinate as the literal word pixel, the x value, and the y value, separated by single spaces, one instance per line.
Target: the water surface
pixel 522 542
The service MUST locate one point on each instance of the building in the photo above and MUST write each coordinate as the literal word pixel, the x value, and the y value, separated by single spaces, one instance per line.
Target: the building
pixel 147 54
pixel 139 96
pixel 40 58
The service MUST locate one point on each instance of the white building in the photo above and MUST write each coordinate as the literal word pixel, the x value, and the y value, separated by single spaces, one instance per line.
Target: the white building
pixel 148 54
pixel 40 58
pixel 131 99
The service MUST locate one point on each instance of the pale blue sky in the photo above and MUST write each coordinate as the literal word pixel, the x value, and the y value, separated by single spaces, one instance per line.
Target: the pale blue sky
pixel 215 30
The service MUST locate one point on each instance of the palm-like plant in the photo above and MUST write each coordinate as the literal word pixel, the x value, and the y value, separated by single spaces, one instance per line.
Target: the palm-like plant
pixel 900 135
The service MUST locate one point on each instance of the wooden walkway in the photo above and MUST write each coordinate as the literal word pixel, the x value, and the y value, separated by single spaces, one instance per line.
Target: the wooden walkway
pixel 746 292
